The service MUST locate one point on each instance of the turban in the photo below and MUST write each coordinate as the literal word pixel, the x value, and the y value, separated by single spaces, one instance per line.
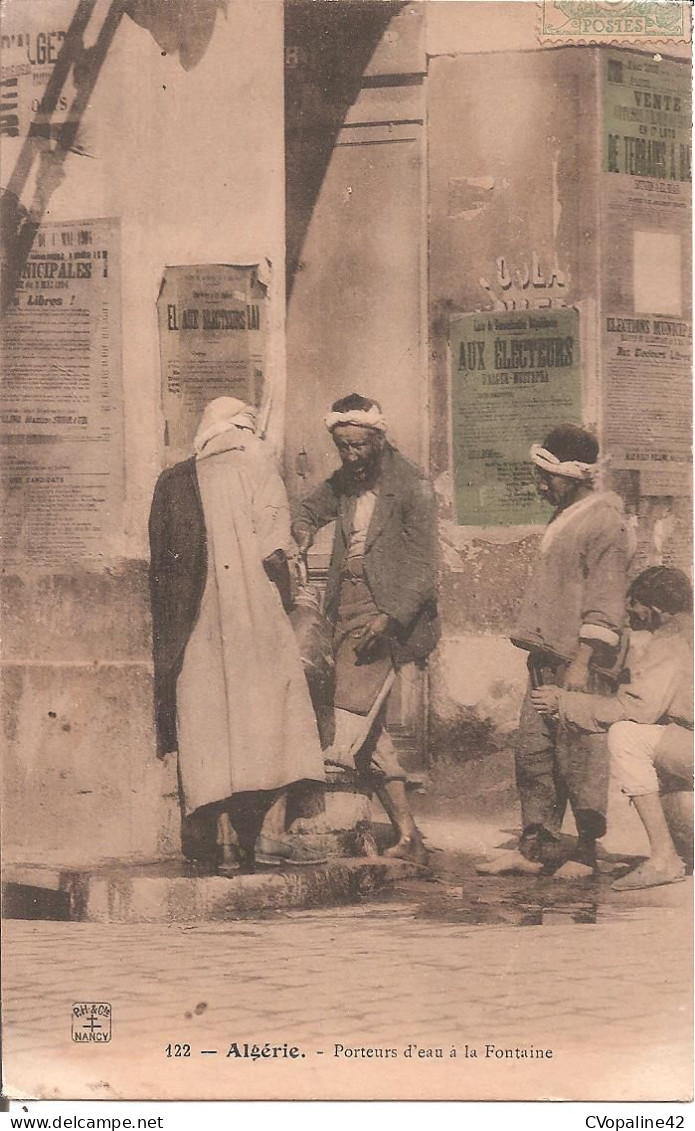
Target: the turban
pixel 363 418
pixel 570 469
pixel 219 416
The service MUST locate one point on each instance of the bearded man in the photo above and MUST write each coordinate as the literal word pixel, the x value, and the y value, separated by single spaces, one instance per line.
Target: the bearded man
pixel 571 624
pixel 381 595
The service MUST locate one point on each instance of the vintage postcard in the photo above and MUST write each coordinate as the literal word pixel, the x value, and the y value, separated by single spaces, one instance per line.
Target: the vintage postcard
pixel 347 549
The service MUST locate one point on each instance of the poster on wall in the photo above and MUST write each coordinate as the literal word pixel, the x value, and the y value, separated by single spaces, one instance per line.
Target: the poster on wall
pixel 513 377
pixel 212 338
pixel 648 396
pixel 646 183
pixel 32 39
pixel 61 404
pixel 251 917
pixel 646 117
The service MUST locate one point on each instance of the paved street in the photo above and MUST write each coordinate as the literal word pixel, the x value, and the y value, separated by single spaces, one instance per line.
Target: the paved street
pixel 603 984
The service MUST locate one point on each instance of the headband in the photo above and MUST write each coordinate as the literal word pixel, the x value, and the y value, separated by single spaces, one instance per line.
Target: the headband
pixel 570 469
pixel 363 418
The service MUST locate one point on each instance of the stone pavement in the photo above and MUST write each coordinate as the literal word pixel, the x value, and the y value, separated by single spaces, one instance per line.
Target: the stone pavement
pixel 435 966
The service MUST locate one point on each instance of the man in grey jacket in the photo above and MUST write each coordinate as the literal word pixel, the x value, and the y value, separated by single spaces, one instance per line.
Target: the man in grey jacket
pixel 570 623
pixel 381 594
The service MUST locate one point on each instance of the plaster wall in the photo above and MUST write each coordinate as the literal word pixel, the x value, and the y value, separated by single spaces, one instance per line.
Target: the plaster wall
pixel 516 177
pixel 191 163
pixel 512 178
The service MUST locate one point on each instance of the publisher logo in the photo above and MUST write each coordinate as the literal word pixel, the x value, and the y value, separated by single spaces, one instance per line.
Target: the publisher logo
pixel 91 1021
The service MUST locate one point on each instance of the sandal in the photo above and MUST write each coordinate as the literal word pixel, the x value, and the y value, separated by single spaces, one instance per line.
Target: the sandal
pixel 649 876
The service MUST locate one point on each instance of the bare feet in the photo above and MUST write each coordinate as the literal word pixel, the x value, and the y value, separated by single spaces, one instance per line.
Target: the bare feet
pixel 509 862
pixel 409 848
pixel 574 870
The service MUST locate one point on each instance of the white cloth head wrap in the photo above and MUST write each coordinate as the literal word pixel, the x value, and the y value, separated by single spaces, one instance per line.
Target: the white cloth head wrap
pixel 219 416
pixel 363 418
pixel 571 469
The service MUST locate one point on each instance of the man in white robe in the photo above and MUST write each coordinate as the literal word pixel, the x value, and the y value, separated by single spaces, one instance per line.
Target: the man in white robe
pixel 244 726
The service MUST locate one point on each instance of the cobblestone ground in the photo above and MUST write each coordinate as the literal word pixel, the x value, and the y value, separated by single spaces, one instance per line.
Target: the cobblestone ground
pixel 610 998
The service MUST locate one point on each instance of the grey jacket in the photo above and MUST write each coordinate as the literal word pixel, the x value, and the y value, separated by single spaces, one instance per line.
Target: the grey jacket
pixel 577 589
pixel 400 551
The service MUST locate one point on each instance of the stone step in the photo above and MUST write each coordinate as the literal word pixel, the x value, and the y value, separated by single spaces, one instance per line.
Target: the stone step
pixel 171 891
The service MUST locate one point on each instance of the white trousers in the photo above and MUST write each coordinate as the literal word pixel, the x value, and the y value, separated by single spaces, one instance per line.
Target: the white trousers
pixel 638 750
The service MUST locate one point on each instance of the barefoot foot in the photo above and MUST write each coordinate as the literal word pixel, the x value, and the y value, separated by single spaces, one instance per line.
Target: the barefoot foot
pixel 510 862
pixel 574 870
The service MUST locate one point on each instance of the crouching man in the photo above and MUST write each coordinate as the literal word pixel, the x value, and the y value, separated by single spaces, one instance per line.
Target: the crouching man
pixel 650 718
pixel 381 595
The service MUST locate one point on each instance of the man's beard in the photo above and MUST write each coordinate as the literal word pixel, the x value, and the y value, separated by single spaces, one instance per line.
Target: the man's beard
pixel 365 482
pixel 647 623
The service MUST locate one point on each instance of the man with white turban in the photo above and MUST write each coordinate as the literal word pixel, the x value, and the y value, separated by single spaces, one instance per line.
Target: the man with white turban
pixel 570 623
pixel 230 692
pixel 381 595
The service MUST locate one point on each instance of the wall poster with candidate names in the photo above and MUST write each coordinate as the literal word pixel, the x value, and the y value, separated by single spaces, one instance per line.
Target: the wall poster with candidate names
pixel 212 337
pixel 648 414
pixel 61 401
pixel 514 376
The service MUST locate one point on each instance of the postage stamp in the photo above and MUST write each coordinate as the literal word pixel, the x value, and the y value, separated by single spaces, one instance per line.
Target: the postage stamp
pixel 614 21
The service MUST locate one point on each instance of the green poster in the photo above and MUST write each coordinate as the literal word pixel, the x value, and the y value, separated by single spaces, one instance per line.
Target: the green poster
pixel 514 377
pixel 646 117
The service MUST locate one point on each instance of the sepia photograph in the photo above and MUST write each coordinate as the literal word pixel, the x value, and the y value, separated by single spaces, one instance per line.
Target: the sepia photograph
pixel 346 462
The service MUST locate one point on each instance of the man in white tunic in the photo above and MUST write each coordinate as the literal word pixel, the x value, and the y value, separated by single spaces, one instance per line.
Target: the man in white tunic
pixel 650 719
pixel 244 726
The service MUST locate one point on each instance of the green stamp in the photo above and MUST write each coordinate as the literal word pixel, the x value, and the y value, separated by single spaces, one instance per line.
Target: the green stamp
pixel 614 21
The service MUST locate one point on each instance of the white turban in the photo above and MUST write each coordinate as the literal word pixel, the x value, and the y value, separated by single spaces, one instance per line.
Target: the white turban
pixel 363 418
pixel 570 469
pixel 219 416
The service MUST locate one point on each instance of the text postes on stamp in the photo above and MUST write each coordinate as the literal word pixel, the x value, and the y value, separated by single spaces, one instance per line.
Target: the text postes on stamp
pixel 614 21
